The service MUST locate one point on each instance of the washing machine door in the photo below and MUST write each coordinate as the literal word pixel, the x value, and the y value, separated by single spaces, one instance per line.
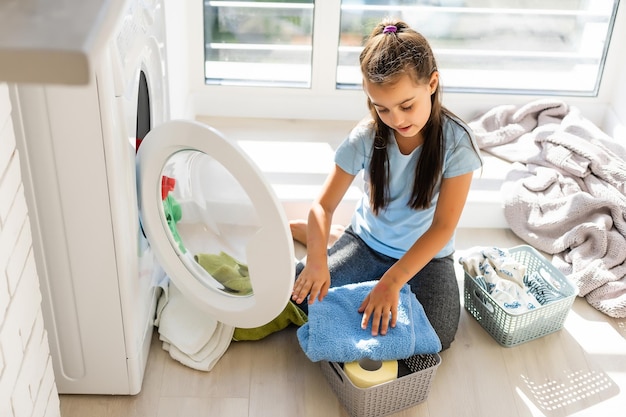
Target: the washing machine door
pixel 214 223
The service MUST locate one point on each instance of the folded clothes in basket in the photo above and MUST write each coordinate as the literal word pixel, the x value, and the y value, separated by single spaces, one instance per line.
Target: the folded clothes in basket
pixel 544 291
pixel 507 280
pixel 333 332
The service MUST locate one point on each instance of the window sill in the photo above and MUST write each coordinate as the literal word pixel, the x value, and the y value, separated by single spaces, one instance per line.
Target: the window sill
pixel 295 155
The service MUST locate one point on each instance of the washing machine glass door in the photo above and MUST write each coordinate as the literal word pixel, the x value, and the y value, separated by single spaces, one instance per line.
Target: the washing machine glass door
pixel 214 223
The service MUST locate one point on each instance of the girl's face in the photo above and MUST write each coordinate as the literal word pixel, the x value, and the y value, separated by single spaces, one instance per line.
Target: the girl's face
pixel 403 106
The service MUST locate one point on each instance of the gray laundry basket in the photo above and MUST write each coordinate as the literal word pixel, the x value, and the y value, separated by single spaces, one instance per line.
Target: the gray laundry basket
pixel 387 398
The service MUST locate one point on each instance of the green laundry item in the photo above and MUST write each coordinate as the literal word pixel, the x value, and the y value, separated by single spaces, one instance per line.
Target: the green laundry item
pixel 234 276
pixel 173 214
pixel 229 272
pixel 291 314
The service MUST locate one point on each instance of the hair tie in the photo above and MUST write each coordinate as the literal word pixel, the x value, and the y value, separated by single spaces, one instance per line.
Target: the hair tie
pixel 390 29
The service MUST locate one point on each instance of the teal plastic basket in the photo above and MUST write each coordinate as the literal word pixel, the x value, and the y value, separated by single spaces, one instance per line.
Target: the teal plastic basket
pixel 510 328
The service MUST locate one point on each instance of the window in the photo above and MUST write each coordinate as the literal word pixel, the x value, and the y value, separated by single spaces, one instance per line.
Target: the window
pixel 299 59
pixel 547 47
pixel 258 42
pixel 524 46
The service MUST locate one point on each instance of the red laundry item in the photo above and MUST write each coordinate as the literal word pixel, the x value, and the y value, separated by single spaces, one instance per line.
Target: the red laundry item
pixel 167 184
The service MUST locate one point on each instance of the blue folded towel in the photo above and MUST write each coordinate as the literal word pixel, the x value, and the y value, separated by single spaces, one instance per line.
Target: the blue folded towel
pixel 333 332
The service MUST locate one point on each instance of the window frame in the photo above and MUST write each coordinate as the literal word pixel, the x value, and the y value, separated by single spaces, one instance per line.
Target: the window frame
pixel 192 97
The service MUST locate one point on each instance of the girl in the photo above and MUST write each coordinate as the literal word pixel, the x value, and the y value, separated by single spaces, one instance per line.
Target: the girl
pixel 417 160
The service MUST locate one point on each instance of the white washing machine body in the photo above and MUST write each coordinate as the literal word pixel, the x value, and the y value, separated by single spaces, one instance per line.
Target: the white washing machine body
pixel 97 273
pixel 99 276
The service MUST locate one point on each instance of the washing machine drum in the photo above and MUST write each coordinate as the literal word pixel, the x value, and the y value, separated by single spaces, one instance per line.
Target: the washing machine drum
pixel 214 223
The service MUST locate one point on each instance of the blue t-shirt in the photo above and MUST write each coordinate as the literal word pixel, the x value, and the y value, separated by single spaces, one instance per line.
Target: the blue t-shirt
pixel 396 227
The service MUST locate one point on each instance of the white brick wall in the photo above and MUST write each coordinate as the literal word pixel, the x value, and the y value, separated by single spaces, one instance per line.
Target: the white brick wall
pixel 27 387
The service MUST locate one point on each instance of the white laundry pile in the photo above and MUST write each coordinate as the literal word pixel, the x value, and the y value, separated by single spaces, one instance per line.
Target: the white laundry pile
pixel 565 194
pixel 507 280
pixel 189 334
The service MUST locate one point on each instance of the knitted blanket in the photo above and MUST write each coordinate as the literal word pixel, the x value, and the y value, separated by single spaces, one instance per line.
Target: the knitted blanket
pixel 566 193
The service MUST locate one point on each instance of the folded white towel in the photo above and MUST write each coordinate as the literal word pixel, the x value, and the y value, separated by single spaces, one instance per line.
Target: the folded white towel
pixel 189 334
pixel 209 355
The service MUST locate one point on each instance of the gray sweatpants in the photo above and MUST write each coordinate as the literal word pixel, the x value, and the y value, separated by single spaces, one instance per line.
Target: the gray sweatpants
pixel 350 260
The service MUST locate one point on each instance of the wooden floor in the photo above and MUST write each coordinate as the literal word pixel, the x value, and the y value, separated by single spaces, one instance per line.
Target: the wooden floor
pixel 578 371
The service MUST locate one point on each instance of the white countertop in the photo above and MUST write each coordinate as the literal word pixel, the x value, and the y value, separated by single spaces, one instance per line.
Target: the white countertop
pixel 54 41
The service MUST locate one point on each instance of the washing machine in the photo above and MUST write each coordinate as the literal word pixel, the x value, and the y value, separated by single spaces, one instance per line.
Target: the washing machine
pixel 121 198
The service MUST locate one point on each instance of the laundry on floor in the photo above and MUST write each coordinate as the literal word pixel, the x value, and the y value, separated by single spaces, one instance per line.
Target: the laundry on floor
pixel 507 280
pixel 566 192
pixel 333 332
pixel 190 335
pixel 291 315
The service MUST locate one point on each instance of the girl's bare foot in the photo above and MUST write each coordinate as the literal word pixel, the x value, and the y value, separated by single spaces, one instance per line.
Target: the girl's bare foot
pixel 336 230
pixel 298 231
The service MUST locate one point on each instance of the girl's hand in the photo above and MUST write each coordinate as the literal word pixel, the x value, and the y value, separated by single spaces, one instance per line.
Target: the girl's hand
pixel 381 305
pixel 313 282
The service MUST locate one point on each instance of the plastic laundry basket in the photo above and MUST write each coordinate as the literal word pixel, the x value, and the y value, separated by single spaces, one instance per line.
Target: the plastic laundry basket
pixel 509 328
pixel 411 387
